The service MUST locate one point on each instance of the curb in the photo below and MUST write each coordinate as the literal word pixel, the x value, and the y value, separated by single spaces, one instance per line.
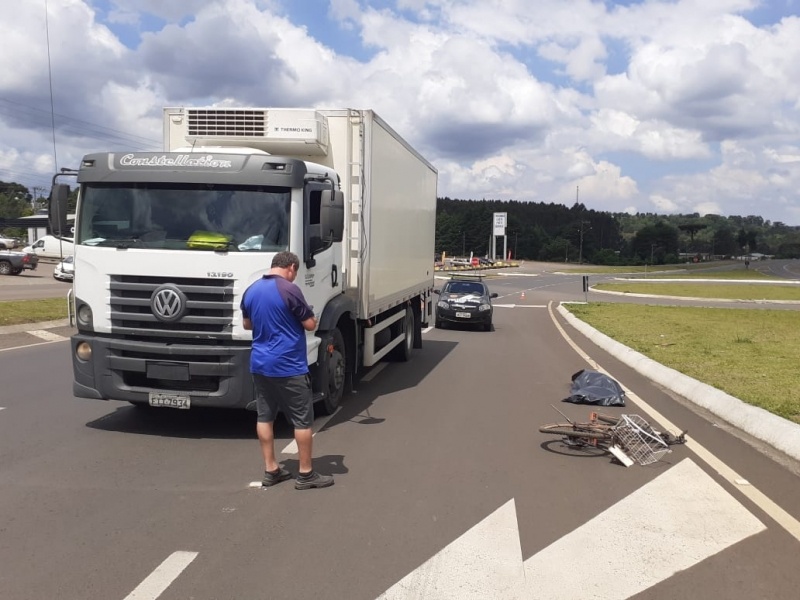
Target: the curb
pixel 23 327
pixel 776 431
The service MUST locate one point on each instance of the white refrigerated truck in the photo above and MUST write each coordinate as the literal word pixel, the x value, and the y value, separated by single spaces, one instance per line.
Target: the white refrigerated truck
pixel 167 242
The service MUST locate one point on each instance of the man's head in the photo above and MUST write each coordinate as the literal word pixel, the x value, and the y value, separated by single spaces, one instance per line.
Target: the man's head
pixel 286 265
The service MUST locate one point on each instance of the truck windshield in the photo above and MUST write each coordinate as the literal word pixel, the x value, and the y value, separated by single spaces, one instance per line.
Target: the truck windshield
pixel 184 216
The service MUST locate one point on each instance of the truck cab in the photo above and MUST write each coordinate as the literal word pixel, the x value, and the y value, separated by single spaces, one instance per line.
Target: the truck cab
pixel 167 243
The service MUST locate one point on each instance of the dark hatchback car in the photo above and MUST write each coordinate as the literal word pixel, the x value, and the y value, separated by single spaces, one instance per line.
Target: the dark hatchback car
pixel 465 300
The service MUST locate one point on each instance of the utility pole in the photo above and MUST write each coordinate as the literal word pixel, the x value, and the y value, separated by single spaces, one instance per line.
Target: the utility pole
pixel 36 189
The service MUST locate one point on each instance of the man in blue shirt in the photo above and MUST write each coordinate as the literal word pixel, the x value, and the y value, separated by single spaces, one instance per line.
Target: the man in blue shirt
pixel 275 309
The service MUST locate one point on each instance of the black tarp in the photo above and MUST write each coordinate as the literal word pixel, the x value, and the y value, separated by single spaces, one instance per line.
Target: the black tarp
pixel 591 387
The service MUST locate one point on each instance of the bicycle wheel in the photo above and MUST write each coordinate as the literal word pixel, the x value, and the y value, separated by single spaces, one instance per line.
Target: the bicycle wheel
pixel 574 432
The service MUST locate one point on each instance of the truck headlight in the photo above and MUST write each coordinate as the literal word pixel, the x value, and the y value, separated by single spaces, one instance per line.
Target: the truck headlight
pixel 84 316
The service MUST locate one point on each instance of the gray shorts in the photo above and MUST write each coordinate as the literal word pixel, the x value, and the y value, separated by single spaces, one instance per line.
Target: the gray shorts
pixel 290 395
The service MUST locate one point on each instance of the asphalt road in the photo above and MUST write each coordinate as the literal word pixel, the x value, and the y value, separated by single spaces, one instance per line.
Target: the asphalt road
pixel 444 486
pixel 33 285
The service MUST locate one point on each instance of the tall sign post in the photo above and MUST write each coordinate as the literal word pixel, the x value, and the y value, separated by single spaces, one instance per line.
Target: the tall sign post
pixel 499 229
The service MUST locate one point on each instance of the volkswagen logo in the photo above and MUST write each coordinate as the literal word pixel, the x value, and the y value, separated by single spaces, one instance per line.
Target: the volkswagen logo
pixel 168 303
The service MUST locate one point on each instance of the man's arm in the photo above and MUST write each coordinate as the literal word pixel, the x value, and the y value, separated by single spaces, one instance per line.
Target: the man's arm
pixel 310 324
pixel 247 323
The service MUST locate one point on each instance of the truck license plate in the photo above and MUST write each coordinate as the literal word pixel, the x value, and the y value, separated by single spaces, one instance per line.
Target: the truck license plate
pixel 461 315
pixel 169 400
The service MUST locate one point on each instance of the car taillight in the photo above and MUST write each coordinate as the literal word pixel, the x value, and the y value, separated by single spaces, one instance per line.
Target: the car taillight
pixel 26 258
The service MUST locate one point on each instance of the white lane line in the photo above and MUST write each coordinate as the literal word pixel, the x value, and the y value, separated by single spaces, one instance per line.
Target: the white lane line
pixel 374 371
pixel 291 448
pixel 780 516
pixel 47 335
pixel 32 345
pixel 679 519
pixel 2 407
pixel 519 305
pixel 160 579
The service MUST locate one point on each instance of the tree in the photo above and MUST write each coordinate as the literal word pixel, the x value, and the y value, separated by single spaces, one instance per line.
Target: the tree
pixel 654 242
pixel 15 201
pixel 724 242
pixel 692 228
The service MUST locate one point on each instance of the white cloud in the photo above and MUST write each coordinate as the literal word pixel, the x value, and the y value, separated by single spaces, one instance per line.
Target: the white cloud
pixel 678 106
pixel 663 204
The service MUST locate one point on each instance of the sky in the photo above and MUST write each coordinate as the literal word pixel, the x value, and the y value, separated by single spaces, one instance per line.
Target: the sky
pixel 653 106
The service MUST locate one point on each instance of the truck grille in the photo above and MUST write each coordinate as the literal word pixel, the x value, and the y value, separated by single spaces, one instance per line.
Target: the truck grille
pixel 207 315
pixel 209 123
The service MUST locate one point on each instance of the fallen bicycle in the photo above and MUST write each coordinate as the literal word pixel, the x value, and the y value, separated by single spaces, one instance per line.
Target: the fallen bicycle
pixel 629 438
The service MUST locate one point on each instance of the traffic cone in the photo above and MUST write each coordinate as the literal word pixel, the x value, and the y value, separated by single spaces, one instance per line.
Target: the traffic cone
pixel 522 296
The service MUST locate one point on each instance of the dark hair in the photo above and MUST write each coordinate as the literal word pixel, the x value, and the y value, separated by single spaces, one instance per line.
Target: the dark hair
pixel 284 260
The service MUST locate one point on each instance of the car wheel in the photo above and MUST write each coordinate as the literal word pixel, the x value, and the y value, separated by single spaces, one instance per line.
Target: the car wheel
pixel 5 267
pixel 487 326
pixel 439 324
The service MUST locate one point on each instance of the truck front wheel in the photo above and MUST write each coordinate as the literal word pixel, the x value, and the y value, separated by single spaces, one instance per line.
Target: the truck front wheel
pixel 402 352
pixel 333 370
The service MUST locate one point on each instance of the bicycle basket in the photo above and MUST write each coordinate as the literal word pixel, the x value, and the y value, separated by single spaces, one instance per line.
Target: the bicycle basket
pixel 638 439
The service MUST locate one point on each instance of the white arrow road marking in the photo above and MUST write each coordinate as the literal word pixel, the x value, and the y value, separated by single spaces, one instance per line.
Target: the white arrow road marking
pixel 485 562
pixel 670 524
pixel 160 579
pixel 674 522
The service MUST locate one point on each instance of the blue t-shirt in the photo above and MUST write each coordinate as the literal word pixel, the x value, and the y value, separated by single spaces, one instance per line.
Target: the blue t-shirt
pixel 277 309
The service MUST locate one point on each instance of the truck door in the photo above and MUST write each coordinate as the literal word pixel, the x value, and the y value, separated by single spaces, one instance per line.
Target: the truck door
pixel 322 277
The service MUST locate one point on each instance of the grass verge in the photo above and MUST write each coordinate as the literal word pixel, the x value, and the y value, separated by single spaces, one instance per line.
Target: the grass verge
pixel 16 312
pixel 749 354
pixel 729 291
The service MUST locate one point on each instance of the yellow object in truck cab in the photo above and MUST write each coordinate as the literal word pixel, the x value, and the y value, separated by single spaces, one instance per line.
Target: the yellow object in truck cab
pixel 208 240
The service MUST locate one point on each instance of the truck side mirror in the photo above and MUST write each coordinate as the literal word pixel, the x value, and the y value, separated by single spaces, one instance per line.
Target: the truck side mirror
pixel 331 215
pixel 57 209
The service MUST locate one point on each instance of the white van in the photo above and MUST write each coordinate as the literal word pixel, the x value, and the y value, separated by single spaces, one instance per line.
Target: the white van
pixel 50 246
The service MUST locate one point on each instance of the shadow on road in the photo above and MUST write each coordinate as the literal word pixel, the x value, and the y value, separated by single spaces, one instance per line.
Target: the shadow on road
pixel 206 423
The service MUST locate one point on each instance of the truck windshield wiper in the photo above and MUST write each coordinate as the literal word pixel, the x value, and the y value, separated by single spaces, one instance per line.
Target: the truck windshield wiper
pixel 122 243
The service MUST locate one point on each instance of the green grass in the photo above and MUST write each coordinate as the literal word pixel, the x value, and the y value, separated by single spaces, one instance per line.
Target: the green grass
pixel 738 274
pixel 732 291
pixel 677 270
pixel 16 312
pixel 750 354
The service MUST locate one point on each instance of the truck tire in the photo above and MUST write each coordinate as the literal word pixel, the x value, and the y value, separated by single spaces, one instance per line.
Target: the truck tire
pixel 16 271
pixel 5 267
pixel 333 369
pixel 402 352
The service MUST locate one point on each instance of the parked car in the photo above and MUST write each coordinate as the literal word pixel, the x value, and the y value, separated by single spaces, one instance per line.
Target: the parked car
pixel 8 243
pixel 465 300
pixel 50 246
pixel 14 263
pixel 65 270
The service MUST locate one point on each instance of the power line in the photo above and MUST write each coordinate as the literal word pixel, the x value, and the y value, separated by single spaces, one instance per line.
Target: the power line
pixel 24 116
